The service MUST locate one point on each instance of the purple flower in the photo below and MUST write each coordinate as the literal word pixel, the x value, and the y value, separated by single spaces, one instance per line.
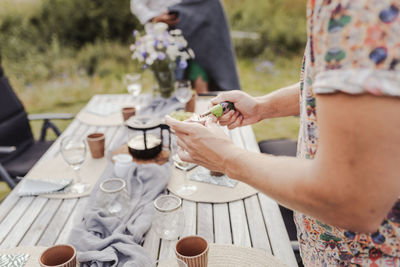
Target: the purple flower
pixel 161 56
pixel 165 43
pixel 135 33
pixel 144 66
pixel 183 64
pixel 156 43
pixel 144 54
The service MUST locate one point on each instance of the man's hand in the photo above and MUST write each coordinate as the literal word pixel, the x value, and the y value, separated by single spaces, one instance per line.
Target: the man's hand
pixel 167 18
pixel 247 109
pixel 206 145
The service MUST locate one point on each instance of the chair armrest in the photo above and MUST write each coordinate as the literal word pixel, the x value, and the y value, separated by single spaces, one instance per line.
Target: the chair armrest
pixel 7 149
pixel 51 116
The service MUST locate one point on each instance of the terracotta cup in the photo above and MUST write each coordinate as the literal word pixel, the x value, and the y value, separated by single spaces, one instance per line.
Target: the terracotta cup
pixel 128 112
pixel 191 105
pixel 193 250
pixel 58 256
pixel 96 144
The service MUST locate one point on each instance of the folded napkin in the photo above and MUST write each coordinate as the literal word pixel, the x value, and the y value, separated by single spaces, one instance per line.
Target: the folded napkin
pixel 33 187
pixel 13 260
pixel 201 174
pixel 111 241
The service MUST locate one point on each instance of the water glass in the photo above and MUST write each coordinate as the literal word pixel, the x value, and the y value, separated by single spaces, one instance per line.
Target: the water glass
pixel 113 197
pixel 184 91
pixel 133 83
pixel 168 221
pixel 73 150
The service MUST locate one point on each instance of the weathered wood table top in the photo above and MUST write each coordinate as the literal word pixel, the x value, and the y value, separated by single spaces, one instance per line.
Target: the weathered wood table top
pixel 252 222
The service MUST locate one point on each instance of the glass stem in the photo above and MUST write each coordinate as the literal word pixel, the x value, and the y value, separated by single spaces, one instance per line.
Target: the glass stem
pixel 186 180
pixel 78 175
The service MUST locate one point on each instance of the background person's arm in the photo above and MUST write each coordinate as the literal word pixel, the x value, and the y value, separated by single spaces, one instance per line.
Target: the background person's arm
pixel 352 182
pixel 140 9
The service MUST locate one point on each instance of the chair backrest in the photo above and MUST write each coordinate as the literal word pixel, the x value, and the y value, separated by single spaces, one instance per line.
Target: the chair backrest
pixel 14 124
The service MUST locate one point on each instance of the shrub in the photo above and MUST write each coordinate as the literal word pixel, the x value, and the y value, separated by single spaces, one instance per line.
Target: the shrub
pixel 280 23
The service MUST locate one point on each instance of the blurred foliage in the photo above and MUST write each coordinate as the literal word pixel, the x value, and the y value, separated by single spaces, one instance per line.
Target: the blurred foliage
pixel 280 23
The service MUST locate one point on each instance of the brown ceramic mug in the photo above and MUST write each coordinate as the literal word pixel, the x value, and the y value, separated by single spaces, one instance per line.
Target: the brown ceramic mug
pixel 193 250
pixel 96 143
pixel 58 256
pixel 128 112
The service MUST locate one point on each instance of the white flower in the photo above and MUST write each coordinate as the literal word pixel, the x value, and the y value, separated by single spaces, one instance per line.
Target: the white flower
pixel 160 27
pixel 149 61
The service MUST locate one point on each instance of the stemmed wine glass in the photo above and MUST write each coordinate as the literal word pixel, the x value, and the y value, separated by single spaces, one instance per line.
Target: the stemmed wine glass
pixel 73 150
pixel 185 189
pixel 133 83
pixel 184 91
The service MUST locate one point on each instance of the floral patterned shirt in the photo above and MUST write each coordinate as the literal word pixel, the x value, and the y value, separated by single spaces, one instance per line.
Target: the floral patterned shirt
pixel 353 47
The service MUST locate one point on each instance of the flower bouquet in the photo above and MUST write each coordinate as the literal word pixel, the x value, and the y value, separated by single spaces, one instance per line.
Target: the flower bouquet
pixel 161 51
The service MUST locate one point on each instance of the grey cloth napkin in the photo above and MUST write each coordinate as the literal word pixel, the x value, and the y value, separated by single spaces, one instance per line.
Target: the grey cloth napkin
pixel 110 241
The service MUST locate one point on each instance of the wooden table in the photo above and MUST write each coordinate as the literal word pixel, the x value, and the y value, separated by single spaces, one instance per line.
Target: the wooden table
pixel 252 222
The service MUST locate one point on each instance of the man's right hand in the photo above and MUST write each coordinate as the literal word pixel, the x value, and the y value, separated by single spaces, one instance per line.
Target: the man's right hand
pixel 247 109
pixel 170 19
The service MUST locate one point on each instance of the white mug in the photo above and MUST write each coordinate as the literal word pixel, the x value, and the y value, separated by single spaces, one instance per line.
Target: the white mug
pixel 122 165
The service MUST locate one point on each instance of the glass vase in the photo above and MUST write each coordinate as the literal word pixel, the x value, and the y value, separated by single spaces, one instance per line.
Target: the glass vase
pixel 166 80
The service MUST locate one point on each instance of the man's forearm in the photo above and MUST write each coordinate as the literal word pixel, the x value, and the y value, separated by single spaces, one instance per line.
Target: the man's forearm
pixel 281 103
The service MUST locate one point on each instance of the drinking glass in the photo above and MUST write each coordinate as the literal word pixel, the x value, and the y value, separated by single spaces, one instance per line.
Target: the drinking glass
pixel 184 91
pixel 133 83
pixel 168 220
pixel 73 150
pixel 113 197
pixel 185 189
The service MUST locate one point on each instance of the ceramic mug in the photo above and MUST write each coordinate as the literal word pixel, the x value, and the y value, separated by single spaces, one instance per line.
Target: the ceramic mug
pixel 96 143
pixel 193 250
pixel 122 165
pixel 58 256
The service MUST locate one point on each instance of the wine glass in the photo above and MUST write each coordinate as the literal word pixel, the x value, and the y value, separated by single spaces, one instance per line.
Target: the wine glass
pixel 185 189
pixel 133 83
pixel 184 91
pixel 73 150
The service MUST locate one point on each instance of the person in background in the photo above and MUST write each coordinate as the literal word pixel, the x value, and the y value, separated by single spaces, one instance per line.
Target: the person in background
pixel 345 183
pixel 204 26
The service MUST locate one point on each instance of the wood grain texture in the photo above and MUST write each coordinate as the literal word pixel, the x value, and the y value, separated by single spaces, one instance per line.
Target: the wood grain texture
pixel 205 225
pixel 240 230
pixel 222 224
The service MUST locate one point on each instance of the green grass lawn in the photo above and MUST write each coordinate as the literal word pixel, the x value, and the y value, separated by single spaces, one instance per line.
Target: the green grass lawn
pixel 70 92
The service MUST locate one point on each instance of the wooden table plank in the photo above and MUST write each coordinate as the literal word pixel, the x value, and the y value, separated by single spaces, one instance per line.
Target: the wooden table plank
pixel 13 216
pixel 205 225
pixel 190 215
pixel 20 229
pixel 57 223
pixel 74 218
pixel 39 226
pixel 222 224
pixel 257 228
pixel 240 230
pixel 152 243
